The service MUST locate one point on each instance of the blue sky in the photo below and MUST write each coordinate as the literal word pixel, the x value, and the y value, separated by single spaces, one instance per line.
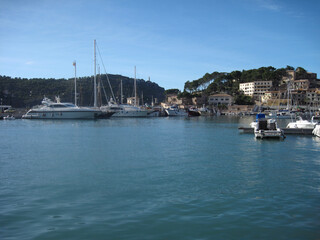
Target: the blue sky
pixel 170 41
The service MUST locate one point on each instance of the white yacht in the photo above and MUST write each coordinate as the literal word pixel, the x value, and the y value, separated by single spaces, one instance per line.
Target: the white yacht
pixel 125 110
pixel 176 111
pixel 267 128
pixel 59 110
pixel 316 130
pixel 303 123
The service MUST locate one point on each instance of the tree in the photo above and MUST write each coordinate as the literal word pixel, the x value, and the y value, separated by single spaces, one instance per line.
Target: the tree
pixel 242 99
pixel 172 91
pixel 289 67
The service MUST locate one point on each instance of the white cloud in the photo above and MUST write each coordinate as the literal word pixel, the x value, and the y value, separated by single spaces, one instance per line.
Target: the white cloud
pixel 269 5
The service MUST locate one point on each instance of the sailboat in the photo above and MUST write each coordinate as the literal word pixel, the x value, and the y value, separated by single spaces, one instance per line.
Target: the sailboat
pixel 125 110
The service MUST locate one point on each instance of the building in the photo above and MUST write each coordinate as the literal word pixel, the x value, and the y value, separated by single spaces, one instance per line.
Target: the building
pixel 301 84
pixel 220 99
pixel 298 97
pixel 255 89
pixel 313 97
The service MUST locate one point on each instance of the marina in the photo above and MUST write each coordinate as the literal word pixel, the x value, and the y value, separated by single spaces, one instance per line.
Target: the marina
pixel 133 120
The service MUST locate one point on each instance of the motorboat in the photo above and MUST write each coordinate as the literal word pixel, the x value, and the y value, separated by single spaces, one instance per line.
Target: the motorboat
pixel 267 128
pixel 300 123
pixel 175 111
pixel 316 130
pixel 60 110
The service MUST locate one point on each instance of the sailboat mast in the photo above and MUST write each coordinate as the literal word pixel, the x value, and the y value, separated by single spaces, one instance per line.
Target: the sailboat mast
pixel 95 76
pixel 135 87
pixel 121 92
pixel 75 82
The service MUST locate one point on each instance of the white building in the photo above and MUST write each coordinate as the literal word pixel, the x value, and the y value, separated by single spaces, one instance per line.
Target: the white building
pixel 255 89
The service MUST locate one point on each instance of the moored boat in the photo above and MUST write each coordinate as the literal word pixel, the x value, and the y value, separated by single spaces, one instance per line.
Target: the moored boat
pixel 267 128
pixel 124 110
pixel 59 110
pixel 300 123
pixel 175 111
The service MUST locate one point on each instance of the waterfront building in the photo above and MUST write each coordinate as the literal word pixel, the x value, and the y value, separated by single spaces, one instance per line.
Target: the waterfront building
pixel 220 99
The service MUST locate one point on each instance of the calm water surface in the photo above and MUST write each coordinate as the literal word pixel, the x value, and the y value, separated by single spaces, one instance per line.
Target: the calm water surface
pixel 159 178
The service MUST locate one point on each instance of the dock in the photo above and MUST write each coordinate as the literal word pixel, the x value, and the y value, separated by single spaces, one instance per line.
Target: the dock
pixel 287 131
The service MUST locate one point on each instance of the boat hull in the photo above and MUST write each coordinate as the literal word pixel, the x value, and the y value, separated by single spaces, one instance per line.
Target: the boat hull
pixel 80 114
pixel 316 130
pixel 124 113
pixel 269 134
pixel 176 113
pixel 193 113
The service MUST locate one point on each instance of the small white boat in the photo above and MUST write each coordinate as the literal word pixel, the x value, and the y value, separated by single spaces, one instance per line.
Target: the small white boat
pixel 316 130
pixel 267 128
pixel 9 118
pixel 303 123
pixel 175 111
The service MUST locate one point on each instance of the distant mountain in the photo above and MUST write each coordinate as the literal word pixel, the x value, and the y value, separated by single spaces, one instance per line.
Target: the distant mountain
pixel 22 92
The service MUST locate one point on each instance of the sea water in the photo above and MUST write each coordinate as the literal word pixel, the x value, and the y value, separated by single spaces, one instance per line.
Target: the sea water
pixel 156 178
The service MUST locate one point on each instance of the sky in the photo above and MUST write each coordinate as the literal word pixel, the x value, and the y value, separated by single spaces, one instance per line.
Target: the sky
pixel 170 41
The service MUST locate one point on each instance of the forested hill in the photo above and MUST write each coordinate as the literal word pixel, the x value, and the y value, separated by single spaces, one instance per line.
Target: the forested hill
pixel 229 82
pixel 22 92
